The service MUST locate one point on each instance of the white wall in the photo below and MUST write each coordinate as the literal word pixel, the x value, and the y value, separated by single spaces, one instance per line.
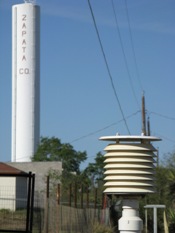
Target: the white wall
pixel 13 193
pixel 7 193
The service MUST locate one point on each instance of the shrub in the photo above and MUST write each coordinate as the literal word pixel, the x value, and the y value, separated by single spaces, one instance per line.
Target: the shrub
pixel 101 228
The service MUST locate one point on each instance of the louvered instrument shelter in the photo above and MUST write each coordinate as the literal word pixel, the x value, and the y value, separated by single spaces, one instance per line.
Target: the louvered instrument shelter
pixel 129 164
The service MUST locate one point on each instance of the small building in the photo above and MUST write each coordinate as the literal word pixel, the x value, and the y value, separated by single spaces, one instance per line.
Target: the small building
pixel 13 188
pixel 14 181
pixel 41 170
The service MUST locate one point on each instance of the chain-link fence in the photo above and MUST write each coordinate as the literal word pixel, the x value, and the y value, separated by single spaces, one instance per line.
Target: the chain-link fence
pixel 23 210
pixel 56 218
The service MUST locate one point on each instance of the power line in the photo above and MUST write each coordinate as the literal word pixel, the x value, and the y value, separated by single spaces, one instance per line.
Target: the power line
pixel 107 66
pixel 106 127
pixel 164 137
pixel 163 116
pixel 132 46
pixel 115 123
pixel 123 51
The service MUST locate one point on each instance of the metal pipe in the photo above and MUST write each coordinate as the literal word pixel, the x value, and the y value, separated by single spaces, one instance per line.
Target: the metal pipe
pixel 130 220
pixel 155 219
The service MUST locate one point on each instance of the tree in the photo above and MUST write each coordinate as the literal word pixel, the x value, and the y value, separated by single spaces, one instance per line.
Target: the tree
pixel 51 149
pixel 165 192
pixel 169 163
pixel 169 160
pixel 96 170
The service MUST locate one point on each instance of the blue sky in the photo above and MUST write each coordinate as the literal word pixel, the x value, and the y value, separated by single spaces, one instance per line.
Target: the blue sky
pixel 78 104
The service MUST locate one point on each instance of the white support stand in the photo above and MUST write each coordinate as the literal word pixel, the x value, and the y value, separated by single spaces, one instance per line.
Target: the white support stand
pixel 154 207
pixel 130 220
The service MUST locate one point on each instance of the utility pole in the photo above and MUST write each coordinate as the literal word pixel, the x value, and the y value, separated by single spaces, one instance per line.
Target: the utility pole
pixel 148 127
pixel 143 116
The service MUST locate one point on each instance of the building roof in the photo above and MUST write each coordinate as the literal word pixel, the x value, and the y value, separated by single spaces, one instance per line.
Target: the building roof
pixel 6 169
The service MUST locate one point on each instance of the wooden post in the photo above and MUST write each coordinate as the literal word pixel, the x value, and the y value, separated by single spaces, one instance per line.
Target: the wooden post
pixel 70 195
pixel 75 195
pixel 104 201
pixel 87 198
pixel 148 127
pixel 102 204
pixel 47 207
pixel 58 194
pixel 143 116
pixel 81 196
pixel 95 199
pixel 47 193
pixel 58 202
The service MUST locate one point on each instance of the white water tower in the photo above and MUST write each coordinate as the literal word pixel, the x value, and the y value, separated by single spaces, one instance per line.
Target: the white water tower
pixel 25 81
pixel 129 173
